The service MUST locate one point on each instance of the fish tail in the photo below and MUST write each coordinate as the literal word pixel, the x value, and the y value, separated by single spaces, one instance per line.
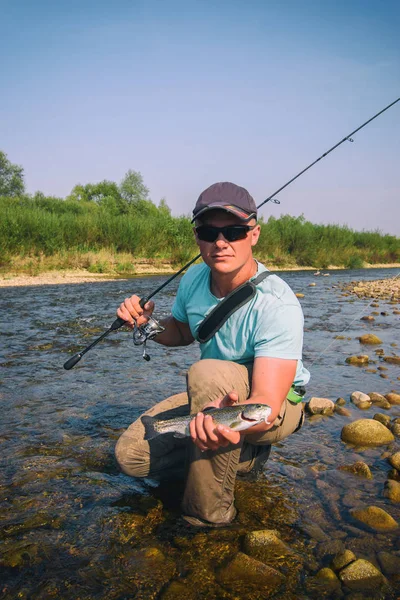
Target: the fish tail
pixel 150 430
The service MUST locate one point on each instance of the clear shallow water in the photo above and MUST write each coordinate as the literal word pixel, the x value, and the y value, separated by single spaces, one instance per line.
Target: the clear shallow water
pixel 70 518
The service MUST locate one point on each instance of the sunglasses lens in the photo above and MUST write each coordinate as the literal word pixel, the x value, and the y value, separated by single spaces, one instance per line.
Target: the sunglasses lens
pixel 235 232
pixel 207 234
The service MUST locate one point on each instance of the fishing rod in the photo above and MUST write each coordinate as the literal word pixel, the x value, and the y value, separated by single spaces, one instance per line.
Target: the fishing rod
pixel 150 329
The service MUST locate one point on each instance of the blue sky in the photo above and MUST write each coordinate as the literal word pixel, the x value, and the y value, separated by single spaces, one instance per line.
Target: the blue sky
pixel 197 91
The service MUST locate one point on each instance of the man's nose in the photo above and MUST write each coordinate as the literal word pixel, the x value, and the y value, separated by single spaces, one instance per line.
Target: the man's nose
pixel 221 241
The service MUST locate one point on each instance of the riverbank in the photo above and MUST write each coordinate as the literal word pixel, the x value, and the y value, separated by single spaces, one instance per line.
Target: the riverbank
pixel 148 267
pixel 388 289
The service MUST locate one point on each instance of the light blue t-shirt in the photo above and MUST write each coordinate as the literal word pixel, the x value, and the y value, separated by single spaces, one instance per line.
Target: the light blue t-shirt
pixel 271 324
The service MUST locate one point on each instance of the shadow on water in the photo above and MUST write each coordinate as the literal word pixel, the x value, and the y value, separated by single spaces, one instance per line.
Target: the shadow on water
pixel 73 526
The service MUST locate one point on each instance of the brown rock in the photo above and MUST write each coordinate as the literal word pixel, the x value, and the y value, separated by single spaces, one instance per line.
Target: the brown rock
pixel 360 359
pixel 392 491
pixel 359 468
pixel 393 360
pixel 375 518
pixel 320 406
pixel 369 338
pixel 243 568
pixel 393 398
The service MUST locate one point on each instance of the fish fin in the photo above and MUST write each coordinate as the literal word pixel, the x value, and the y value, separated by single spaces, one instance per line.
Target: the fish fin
pixel 177 434
pixel 235 424
pixel 148 423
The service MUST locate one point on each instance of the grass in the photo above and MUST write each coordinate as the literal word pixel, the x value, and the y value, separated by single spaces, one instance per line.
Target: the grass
pixel 50 233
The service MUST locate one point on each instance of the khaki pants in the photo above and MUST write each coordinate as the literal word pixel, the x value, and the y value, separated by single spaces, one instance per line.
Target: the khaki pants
pixel 210 475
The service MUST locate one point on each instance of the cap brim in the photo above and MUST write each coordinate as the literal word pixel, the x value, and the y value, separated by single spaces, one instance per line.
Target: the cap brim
pixel 233 210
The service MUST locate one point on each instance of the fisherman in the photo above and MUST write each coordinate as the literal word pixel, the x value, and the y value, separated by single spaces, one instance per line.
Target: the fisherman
pixel 254 357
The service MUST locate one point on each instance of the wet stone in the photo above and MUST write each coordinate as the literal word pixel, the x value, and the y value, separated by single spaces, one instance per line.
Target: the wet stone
pixel 265 545
pixel 394 460
pixel 389 562
pixel 360 359
pixel 342 559
pixel 362 575
pixel 369 338
pixel 393 398
pixel 375 518
pixel 384 419
pixel 360 468
pixel 320 406
pixel 323 583
pixel 394 360
pixel 392 491
pixel 245 569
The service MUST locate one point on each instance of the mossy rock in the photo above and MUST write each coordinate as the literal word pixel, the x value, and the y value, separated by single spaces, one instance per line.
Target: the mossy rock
pixel 366 432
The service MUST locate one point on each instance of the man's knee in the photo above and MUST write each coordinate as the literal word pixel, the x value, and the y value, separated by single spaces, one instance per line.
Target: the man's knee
pixel 132 460
pixel 209 379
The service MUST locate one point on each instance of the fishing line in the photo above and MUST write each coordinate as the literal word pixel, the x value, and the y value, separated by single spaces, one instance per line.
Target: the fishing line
pixel 357 317
pixel 144 333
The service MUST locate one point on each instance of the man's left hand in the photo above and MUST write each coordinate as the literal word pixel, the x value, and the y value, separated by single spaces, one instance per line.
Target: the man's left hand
pixel 209 436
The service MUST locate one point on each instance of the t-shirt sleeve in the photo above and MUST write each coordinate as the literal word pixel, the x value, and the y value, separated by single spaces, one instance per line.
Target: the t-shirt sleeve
pixel 280 333
pixel 179 306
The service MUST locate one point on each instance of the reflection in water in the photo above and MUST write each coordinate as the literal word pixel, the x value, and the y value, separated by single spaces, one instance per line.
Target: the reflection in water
pixel 73 526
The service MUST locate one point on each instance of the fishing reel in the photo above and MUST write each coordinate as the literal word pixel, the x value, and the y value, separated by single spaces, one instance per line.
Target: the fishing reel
pixel 145 332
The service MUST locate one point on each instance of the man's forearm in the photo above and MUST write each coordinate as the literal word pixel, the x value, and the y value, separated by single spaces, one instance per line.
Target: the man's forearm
pixel 274 403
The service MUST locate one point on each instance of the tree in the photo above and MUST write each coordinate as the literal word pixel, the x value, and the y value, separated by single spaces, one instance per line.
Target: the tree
pixel 132 188
pixel 11 177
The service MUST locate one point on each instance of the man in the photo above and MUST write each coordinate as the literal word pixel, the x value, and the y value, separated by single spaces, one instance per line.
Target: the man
pixel 255 357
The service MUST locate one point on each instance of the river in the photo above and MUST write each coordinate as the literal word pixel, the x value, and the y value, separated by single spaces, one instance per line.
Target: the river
pixel 73 526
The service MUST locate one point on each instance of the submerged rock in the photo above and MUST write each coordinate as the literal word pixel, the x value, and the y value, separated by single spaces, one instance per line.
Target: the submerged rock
pixel 324 582
pixel 362 575
pixel 265 545
pixel 389 562
pixel 243 568
pixel 359 468
pixel 342 559
pixel 366 432
pixel 375 518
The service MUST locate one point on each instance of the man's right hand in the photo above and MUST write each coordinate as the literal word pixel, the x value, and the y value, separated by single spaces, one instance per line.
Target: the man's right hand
pixel 131 311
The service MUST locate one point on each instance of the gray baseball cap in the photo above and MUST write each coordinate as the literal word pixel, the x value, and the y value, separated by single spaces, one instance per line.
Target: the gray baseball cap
pixel 226 196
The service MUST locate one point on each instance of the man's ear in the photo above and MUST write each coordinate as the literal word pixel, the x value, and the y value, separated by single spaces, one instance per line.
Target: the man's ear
pixel 255 234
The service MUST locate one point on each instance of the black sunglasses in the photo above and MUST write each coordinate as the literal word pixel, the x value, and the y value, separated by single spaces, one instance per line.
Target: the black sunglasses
pixel 232 233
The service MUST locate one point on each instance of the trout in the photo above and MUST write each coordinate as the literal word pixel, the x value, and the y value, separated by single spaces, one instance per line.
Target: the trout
pixel 238 417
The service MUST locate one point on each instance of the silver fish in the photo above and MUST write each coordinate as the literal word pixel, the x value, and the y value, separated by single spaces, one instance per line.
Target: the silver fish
pixel 238 417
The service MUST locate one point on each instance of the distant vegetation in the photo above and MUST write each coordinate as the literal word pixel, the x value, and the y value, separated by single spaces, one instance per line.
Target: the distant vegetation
pixel 105 227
